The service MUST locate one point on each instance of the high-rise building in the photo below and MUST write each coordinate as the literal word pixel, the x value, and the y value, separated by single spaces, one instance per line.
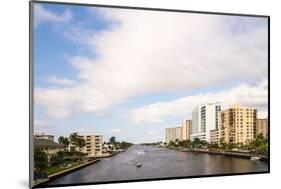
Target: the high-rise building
pixel 93 145
pixel 237 124
pixel 205 119
pixel 262 127
pixel 185 129
pixel 172 134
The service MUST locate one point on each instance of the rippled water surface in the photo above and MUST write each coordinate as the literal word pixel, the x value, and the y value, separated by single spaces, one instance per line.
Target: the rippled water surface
pixel 159 163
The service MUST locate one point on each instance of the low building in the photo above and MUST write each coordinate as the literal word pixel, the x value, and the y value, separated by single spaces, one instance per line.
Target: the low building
pixel 107 147
pixel 44 136
pixel 185 129
pixel 173 134
pixel 214 136
pixel 262 127
pixel 48 146
pixel 93 147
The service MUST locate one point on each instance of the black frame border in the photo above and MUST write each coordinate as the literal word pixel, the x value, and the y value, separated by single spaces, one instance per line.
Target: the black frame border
pixel 31 90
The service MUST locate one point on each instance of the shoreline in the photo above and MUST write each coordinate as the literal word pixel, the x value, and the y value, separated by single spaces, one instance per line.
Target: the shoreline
pixel 70 170
pixel 225 153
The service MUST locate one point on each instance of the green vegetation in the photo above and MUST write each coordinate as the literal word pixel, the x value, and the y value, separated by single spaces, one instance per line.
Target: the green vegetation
pixel 40 164
pixel 62 160
pixel 66 165
pixel 76 140
pixel 258 146
pixel 154 143
pixel 64 141
pixel 114 144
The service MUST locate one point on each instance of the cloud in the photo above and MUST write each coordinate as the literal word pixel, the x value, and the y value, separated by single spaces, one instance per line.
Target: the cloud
pixel 151 132
pixel 85 131
pixel 255 96
pixel 42 15
pixel 115 130
pixel 59 81
pixel 42 126
pixel 146 52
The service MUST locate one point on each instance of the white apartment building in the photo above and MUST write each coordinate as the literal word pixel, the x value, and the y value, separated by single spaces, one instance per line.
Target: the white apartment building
pixel 205 118
pixel 172 134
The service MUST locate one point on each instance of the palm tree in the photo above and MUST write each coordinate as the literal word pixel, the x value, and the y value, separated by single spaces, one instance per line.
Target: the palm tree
pixel 64 141
pixel 76 140
pixel 112 140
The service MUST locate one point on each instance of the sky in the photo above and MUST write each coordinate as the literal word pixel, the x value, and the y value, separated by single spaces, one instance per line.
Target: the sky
pixel 133 73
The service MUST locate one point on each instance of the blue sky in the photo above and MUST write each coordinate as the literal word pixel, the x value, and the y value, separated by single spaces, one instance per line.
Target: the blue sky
pixel 133 73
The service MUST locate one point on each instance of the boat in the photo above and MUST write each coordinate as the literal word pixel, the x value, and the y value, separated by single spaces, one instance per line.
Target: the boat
pixel 254 158
pixel 138 164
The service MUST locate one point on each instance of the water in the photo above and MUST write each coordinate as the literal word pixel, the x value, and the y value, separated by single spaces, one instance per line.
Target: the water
pixel 159 163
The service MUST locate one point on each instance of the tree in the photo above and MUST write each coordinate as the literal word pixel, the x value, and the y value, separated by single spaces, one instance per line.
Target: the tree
pixel 223 144
pixel 57 159
pixel 187 143
pixel 213 145
pixel 64 141
pixel 40 164
pixel 172 144
pixel 125 145
pixel 196 143
pixel 259 145
pixel 112 140
pixel 40 160
pixel 181 143
pixel 76 140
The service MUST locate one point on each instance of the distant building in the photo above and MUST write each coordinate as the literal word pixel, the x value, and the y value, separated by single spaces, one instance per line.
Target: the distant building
pixel 238 124
pixel 44 136
pixel 262 127
pixel 93 147
pixel 48 146
pixel 172 134
pixel 185 129
pixel 204 119
pixel 107 147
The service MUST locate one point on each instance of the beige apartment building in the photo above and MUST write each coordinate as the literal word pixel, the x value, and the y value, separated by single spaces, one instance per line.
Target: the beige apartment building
pixel 172 134
pixel 237 124
pixel 185 129
pixel 93 145
pixel 262 127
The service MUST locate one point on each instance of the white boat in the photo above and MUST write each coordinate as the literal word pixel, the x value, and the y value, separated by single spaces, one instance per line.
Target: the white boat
pixel 254 158
pixel 138 164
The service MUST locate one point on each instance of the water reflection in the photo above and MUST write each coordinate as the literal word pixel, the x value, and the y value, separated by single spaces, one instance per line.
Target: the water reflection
pixel 159 163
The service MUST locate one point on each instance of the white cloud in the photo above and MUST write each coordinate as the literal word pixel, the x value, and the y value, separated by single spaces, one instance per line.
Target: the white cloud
pixel 248 95
pixel 59 81
pixel 42 126
pixel 115 130
pixel 146 52
pixel 85 131
pixel 151 133
pixel 41 15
